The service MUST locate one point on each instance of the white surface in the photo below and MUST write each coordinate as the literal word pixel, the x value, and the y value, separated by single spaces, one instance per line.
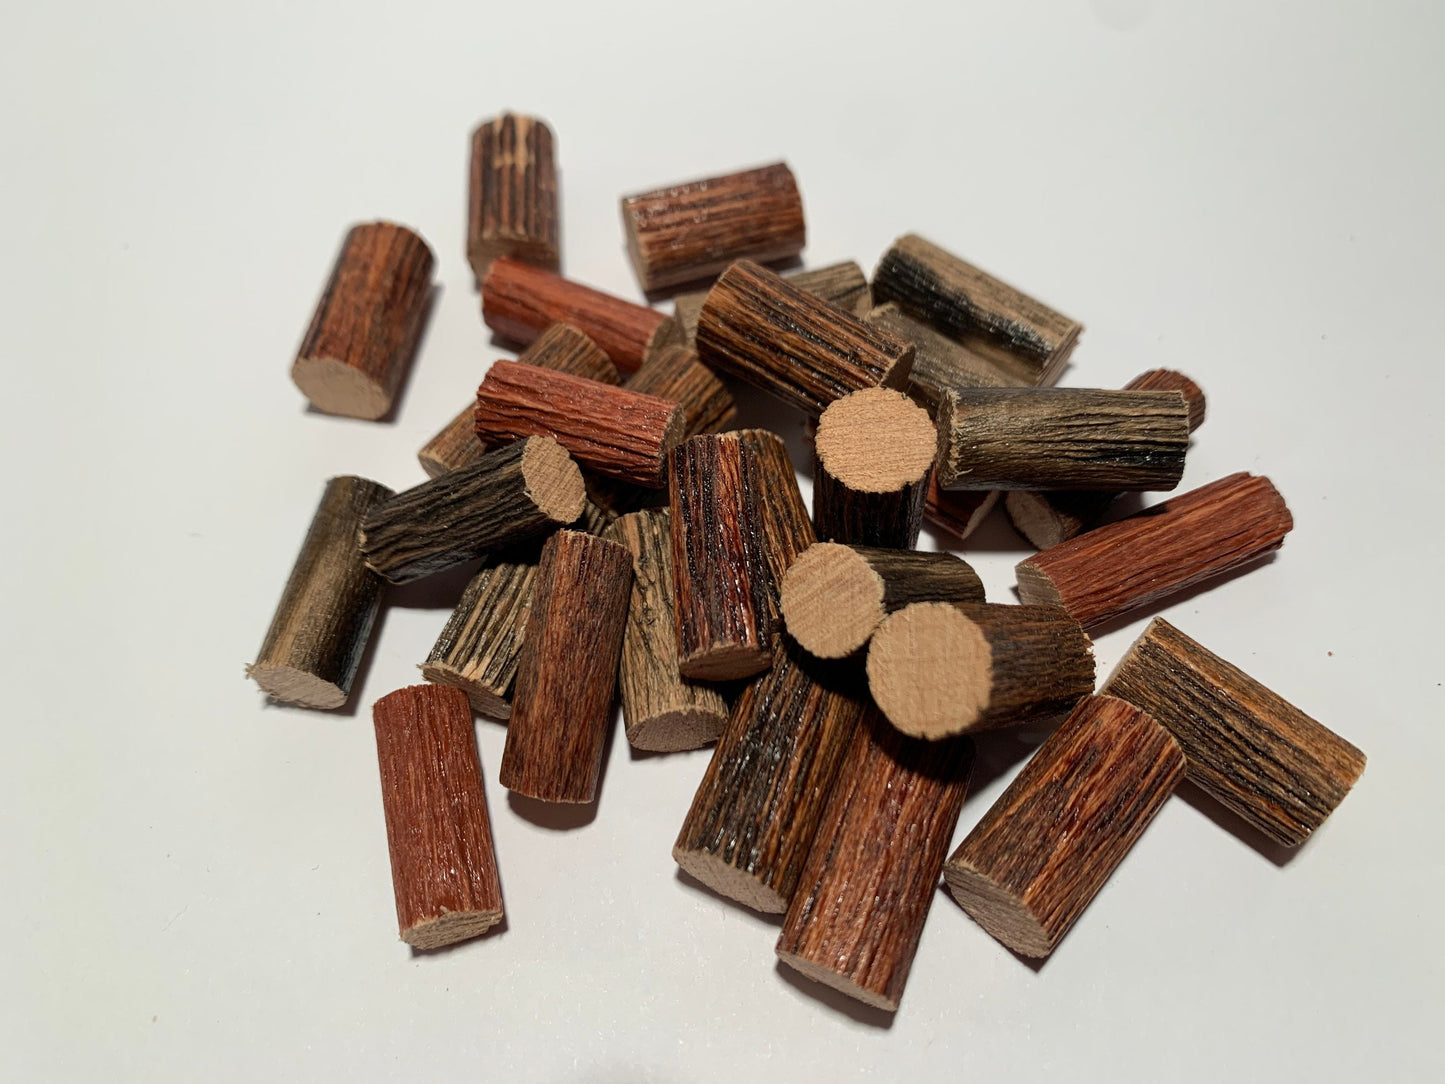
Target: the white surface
pixel 196 884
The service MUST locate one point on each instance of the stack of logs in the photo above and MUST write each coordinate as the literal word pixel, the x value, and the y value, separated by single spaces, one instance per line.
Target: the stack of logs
pixel 839 670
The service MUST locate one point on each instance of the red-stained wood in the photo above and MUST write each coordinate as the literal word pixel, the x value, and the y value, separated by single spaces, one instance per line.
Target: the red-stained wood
pixel 512 195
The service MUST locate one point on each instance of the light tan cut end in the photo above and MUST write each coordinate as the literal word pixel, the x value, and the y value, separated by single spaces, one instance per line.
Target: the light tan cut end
pixel 726 662
pixel 554 481
pixel 1034 518
pixel 1001 913
pixel 337 388
pixel 677 731
pixel 831 600
pixel 1035 587
pixel 730 881
pixel 484 701
pixel 449 928
pixel 841 983
pixel 292 686
pixel 876 441
pixel 930 670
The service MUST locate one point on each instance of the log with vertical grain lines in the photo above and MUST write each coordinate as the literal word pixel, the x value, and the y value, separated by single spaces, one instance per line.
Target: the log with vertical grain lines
pixel 512 195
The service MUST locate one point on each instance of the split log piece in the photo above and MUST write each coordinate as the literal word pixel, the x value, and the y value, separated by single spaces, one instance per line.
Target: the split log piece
pixel 843 285
pixel 674 372
pixel 512 197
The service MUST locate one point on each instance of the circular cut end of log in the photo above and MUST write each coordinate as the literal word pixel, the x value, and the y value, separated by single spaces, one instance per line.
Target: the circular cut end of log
pixel 677 731
pixel 1000 912
pixel 449 928
pixel 729 881
pixel 335 387
pixel 838 982
pixel 483 701
pixel 292 686
pixel 554 482
pixel 831 600
pixel 876 441
pixel 1034 517
pixel 930 670
pixel 725 662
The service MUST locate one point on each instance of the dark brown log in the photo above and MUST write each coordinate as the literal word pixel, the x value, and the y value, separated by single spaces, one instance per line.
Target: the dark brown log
pixel 517 492
pixel 512 198
pixel 938 668
pixel 561 347
pixel 974 308
pixel 857 915
pixel 674 372
pixel 1137 561
pixel 792 344
pixel 1243 744
pixel 1030 867
pixel 327 611
pixel 568 669
pixel 940 363
pixel 691 231
pixel 662 711
pixel 1061 438
pixel 519 302
pixel 724 626
pixel 612 431
pixel 957 511
pixel 834 596
pixel 873 461
pixel 840 284
pixel 443 863
pixel 368 322
pixel 783 527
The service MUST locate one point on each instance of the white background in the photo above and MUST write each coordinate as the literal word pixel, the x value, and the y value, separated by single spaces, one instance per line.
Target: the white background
pixel 196 883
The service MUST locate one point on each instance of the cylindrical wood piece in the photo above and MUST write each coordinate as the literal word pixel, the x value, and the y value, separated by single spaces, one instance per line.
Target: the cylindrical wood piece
pixel 840 284
pixel 940 363
pixel 957 511
pixel 675 373
pixel 512 197
pixel 478 648
pixel 1173 380
pixel 1042 852
pixel 783 527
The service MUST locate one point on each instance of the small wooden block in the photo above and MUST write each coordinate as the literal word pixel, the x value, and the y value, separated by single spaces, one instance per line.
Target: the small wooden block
pixel 512 201
pixel 843 285
pixel 675 373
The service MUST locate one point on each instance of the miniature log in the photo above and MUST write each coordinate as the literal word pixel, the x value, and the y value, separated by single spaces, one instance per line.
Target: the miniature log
pixel 692 231
pixel 957 511
pixel 1243 744
pixel 326 612
pixel 1061 438
pixel 843 285
pixel 1042 852
pixel 782 524
pixel 675 373
pixel 561 347
pixel 857 915
pixel 1137 561
pixel 567 672
pixel 940 363
pixel 520 301
pixel 873 454
pixel 723 622
pixel 614 432
pixel 662 711
pixel 792 344
pixel 834 596
pixel 1173 380
pixel 974 308
pixel 368 322
pixel 517 492
pixel 443 864
pixel 938 668
pixel 512 198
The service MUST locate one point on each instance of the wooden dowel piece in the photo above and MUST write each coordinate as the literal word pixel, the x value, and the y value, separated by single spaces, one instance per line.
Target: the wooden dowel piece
pixel 975 308
pixel 368 322
pixel 1173 380
pixel 520 301
pixel 1061 438
pixel 443 864
pixel 612 431
pixel 690 231
pixel 940 363
pixel 326 612
pixel 1042 852
pixel 874 457
pixel 663 712
pixel 957 511
pixel 1243 744
pixel 1135 562
pixel 675 373
pixel 843 285
pixel 724 625
pixel 834 596
pixel 782 525
pixel 568 669
pixel 938 668
pixel 857 915
pixel 517 492
pixel 512 197
pixel 792 344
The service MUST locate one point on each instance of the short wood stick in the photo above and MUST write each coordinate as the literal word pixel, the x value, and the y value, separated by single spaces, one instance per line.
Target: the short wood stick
pixel 782 524
pixel 843 285
pixel 512 197
pixel 940 363
pixel 675 373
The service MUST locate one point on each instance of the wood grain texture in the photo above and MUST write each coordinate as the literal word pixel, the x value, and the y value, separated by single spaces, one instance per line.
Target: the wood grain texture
pixel 662 711
pixel 843 285
pixel 792 344
pixel 783 527
pixel 443 863
pixel 1138 561
pixel 324 619
pixel 957 512
pixel 690 231
pixel 940 363
pixel 873 460
pixel 675 373
pixel 857 915
pixel 1061 438
pixel 723 621
pixel 971 306
pixel 614 432
pixel 1042 852
pixel 512 194
pixel 938 668
pixel 519 491
pixel 1243 744
pixel 520 301
pixel 567 672
pixel 1173 380
pixel 368 322
pixel 834 596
